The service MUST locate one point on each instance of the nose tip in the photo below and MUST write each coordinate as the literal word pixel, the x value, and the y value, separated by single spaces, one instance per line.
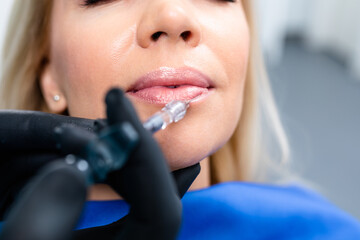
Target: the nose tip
pixel 169 22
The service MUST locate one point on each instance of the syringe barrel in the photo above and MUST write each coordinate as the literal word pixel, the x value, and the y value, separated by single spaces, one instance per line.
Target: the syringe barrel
pixel 172 112
pixel 176 110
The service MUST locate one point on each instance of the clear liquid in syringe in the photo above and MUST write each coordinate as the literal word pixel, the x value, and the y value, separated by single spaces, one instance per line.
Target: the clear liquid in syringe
pixel 174 111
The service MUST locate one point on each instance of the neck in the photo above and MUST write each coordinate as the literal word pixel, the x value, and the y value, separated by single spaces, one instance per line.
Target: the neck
pixel 102 192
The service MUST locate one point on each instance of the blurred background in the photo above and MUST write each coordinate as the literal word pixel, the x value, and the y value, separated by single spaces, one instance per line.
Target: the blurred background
pixel 312 51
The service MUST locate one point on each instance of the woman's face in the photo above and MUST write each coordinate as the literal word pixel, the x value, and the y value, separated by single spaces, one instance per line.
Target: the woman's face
pixel 156 51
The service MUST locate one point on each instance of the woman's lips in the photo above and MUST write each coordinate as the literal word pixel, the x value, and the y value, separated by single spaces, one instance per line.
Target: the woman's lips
pixel 167 84
pixel 164 95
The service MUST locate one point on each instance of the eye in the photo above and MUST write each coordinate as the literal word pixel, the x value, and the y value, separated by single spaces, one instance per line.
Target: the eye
pixel 90 3
pixel 224 1
pixel 96 2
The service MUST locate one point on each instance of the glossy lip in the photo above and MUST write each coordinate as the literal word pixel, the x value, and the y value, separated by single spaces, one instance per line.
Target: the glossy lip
pixel 166 84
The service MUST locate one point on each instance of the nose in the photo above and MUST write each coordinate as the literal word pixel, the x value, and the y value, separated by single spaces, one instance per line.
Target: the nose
pixel 169 21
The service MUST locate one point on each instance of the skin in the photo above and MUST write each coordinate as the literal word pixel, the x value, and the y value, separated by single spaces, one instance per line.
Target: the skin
pixel 109 44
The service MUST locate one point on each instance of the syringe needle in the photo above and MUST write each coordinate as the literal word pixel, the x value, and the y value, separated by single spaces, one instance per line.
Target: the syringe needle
pixel 194 99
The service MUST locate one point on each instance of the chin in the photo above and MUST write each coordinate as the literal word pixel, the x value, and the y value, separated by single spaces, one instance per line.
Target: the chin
pixel 184 145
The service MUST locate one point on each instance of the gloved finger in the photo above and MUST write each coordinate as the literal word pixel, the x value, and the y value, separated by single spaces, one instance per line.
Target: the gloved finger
pixel 42 200
pixel 185 177
pixel 32 130
pixel 120 109
pixel 16 169
pixel 73 140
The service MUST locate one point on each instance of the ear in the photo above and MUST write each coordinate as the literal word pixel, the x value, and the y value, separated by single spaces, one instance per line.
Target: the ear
pixel 53 95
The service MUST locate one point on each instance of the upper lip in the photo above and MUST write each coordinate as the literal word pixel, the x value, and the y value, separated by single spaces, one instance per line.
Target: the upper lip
pixel 167 77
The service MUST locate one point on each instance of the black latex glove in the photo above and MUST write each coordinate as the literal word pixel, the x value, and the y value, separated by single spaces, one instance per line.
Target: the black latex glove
pixel 27 144
pixel 49 206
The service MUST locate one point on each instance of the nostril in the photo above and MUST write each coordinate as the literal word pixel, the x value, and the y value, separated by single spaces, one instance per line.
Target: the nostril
pixel 156 35
pixel 186 35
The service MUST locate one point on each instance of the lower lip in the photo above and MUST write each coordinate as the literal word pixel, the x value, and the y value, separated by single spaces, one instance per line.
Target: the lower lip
pixel 164 95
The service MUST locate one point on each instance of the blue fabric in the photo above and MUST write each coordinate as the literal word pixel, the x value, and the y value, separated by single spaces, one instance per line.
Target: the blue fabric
pixel 246 211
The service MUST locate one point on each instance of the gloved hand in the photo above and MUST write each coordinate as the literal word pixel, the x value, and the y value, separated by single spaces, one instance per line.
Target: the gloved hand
pixel 116 113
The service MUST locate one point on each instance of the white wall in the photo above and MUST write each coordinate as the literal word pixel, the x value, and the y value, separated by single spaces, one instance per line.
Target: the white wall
pixel 331 25
pixel 273 22
pixel 5 8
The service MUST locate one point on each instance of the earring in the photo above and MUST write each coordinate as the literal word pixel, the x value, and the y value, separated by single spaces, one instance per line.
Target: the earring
pixel 56 98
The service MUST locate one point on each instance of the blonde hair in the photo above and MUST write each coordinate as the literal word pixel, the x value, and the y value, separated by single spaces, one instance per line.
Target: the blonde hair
pixel 246 156
pixel 24 55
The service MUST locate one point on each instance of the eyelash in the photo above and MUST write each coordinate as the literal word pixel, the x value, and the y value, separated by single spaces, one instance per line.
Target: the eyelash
pixel 89 3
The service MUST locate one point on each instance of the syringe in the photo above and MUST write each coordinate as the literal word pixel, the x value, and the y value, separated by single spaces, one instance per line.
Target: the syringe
pixel 174 111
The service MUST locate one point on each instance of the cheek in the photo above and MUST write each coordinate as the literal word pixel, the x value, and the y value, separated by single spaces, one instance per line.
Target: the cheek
pixel 84 60
pixel 231 44
pixel 232 47
pixel 229 40
pixel 227 32
pixel 235 55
